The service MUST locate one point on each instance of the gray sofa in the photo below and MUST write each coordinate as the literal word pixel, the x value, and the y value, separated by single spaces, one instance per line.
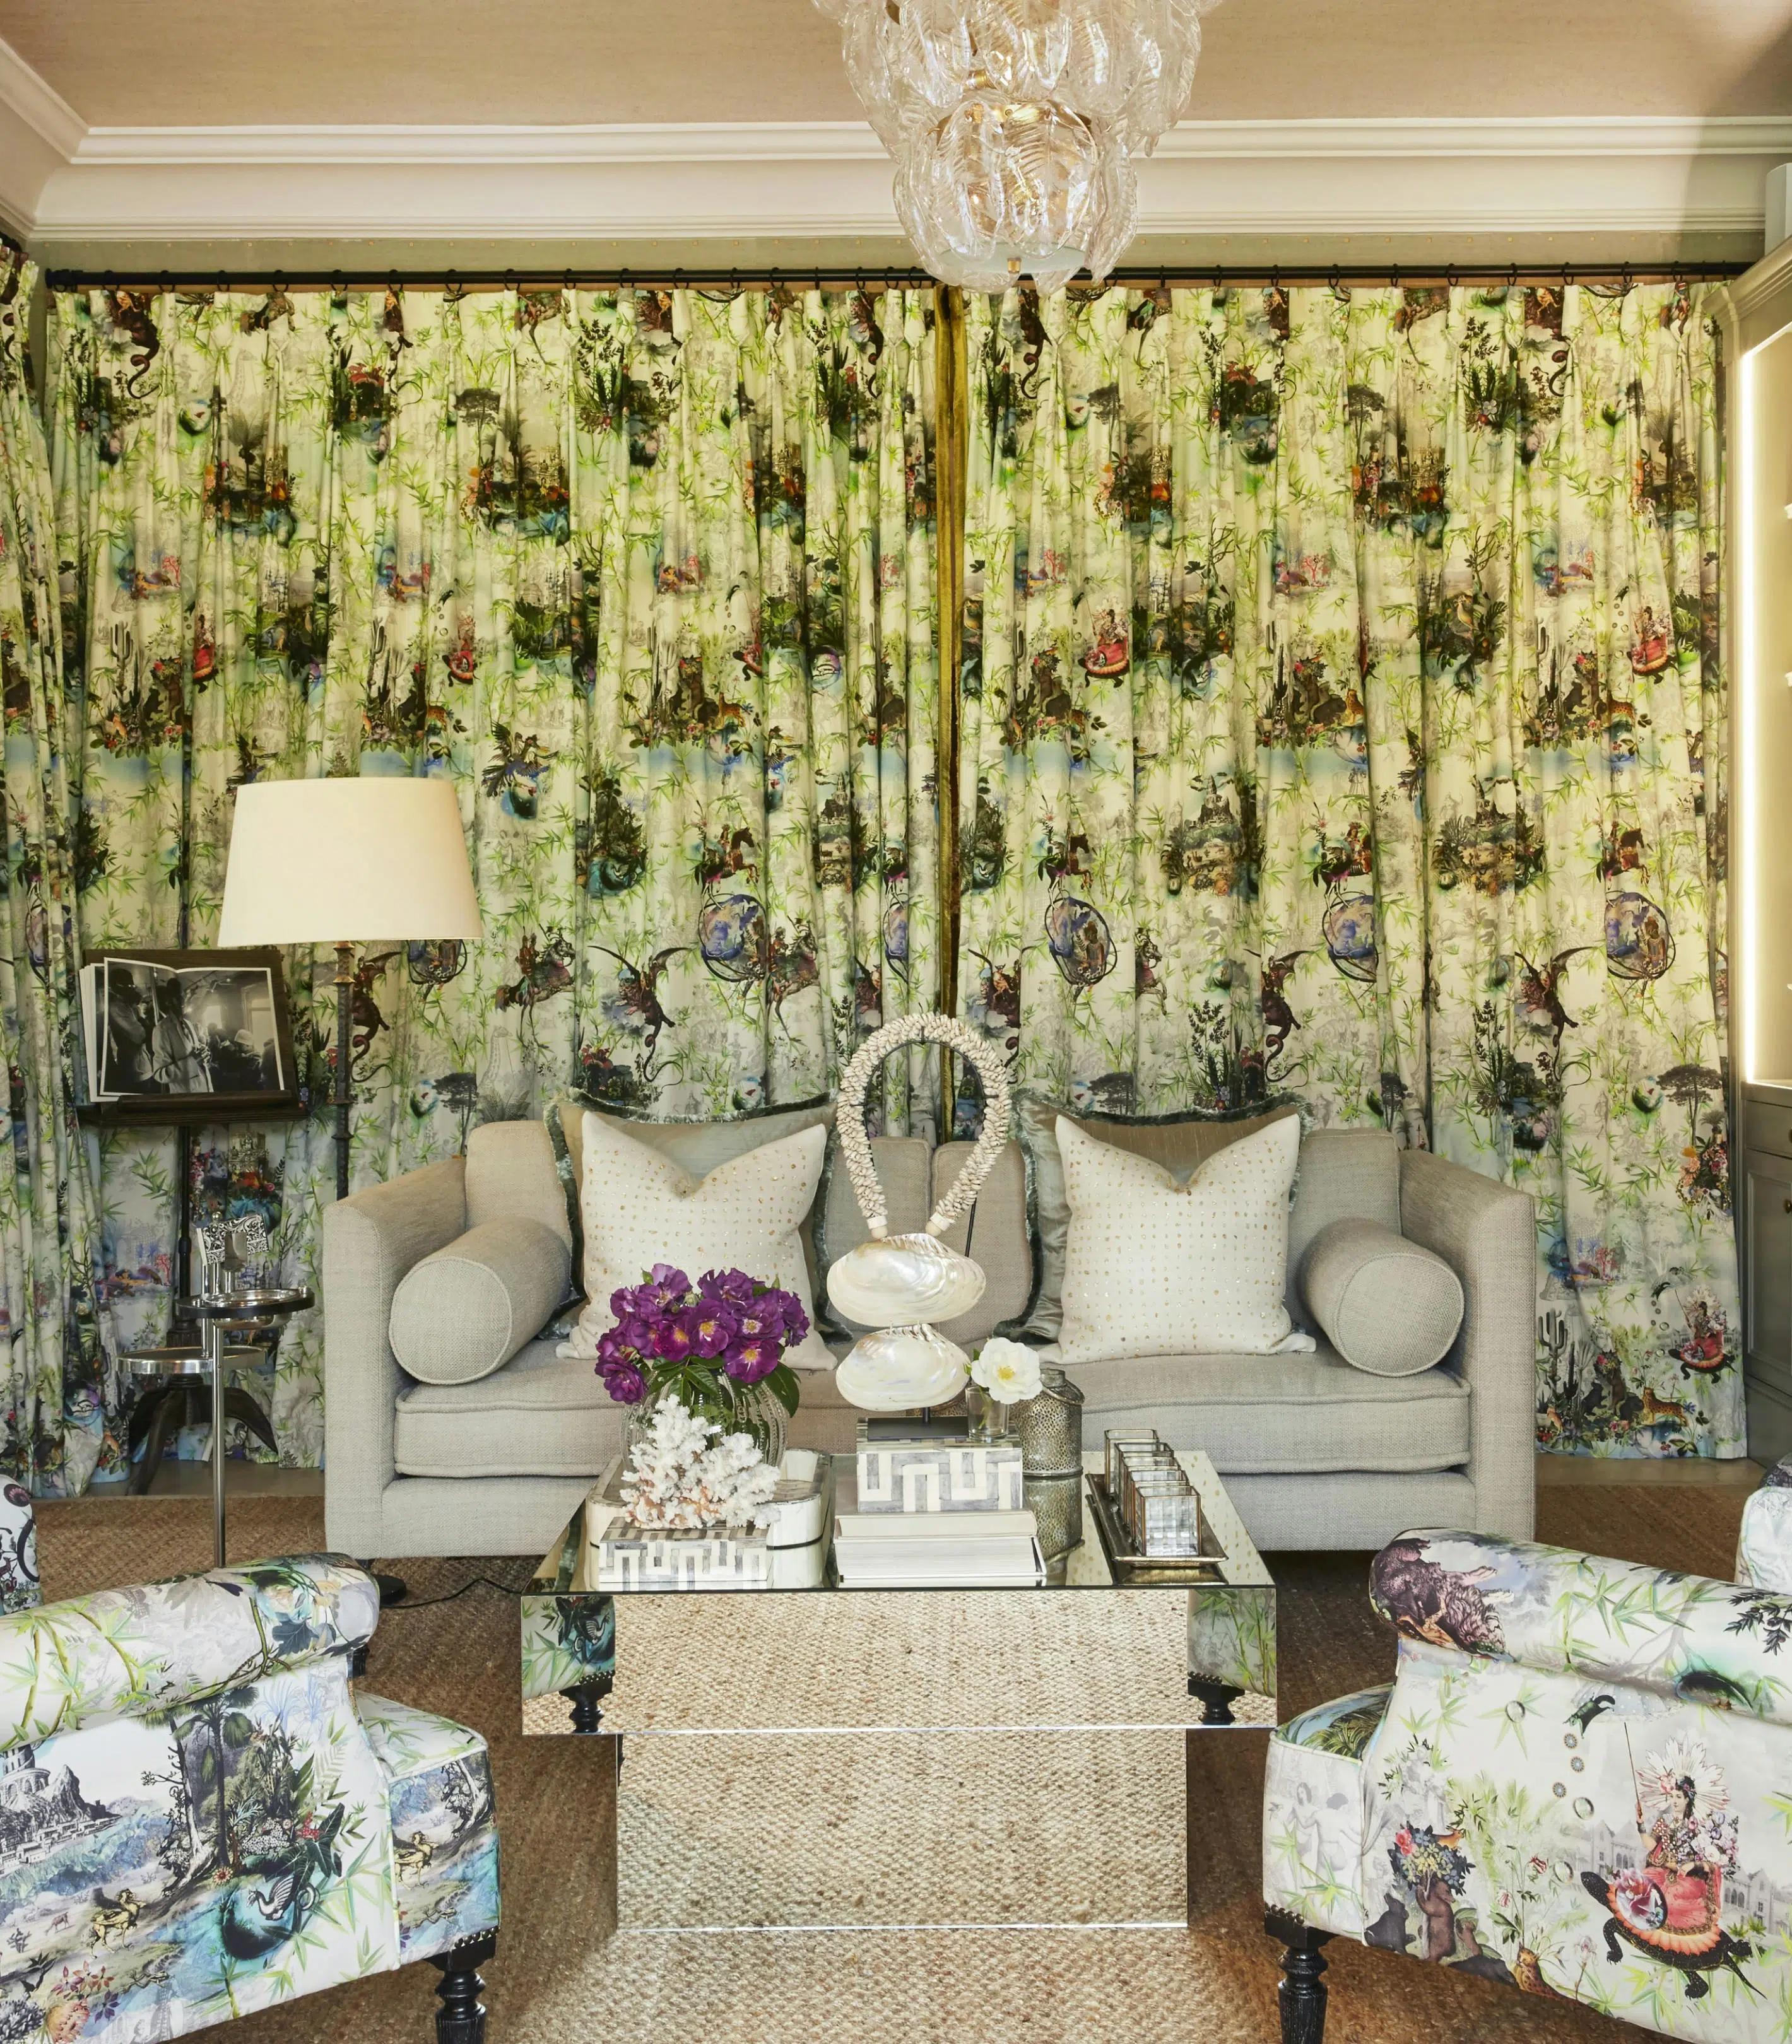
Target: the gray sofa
pixel 1315 1454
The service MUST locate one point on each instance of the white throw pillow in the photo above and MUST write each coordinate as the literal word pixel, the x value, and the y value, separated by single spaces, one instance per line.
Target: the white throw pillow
pixel 1152 1267
pixel 641 1208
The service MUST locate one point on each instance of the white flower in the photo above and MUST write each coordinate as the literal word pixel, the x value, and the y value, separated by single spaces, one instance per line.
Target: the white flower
pixel 1008 1370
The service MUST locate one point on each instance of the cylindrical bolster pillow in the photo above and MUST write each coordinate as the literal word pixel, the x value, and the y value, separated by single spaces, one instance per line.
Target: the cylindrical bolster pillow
pixel 463 1312
pixel 1386 1305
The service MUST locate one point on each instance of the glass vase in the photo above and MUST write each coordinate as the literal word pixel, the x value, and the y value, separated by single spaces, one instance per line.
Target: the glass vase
pixel 753 1409
pixel 987 1420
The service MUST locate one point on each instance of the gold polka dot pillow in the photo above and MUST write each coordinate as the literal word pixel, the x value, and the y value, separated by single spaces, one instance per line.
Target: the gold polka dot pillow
pixel 641 1209
pixel 1156 1267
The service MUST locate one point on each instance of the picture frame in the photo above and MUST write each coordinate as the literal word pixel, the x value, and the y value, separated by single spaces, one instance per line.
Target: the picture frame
pixel 187 1036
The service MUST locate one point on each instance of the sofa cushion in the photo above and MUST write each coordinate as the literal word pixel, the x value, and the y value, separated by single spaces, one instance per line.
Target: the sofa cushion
pixel 1281 1414
pixel 994 1233
pixel 1387 1305
pixel 643 1209
pixel 464 1312
pixel 538 1416
pixel 696 1147
pixel 543 1414
pixel 510 1171
pixel 1182 1144
pixel 1150 1264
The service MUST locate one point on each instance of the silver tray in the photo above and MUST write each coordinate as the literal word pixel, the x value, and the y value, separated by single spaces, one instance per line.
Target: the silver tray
pixel 253 1302
pixel 1130 1567
pixel 184 1359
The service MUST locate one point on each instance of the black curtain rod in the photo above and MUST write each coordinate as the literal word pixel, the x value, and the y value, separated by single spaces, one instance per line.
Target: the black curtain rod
pixel 1184 276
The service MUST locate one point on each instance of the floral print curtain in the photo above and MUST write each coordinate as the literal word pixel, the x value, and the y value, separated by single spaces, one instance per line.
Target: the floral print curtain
pixel 648 575
pixel 1343 718
pixel 53 1432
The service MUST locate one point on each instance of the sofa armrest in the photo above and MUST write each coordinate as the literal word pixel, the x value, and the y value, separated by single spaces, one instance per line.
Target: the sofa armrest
pixel 1763 1548
pixel 1565 1613
pixel 1487 1232
pixel 127 1653
pixel 370 1242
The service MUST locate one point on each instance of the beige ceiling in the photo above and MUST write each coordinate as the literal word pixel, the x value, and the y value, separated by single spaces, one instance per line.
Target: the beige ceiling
pixel 130 63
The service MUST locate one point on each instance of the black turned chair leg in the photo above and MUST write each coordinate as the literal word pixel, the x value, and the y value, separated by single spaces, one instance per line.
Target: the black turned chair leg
pixel 461 2019
pixel 165 1405
pixel 239 1405
pixel 587 1700
pixel 1302 1993
pixel 1216 1700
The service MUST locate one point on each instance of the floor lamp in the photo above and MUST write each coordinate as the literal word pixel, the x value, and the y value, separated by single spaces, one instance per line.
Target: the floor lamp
pixel 360 859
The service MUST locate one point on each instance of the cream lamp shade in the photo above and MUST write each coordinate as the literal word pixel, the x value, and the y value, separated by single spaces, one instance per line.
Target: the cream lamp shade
pixel 346 860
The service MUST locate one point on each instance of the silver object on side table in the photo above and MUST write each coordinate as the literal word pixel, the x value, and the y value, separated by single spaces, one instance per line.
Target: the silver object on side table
pixel 220 1311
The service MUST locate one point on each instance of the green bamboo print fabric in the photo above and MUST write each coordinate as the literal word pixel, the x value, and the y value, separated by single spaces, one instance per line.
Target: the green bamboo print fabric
pixel 648 575
pixel 1343 719
pixel 54 1427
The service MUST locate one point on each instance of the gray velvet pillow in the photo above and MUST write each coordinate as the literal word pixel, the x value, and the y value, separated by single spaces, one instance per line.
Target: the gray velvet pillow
pixel 1386 1306
pixel 463 1312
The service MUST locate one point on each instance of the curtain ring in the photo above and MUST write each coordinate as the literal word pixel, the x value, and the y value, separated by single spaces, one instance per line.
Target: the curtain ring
pixel 1628 277
pixel 1512 278
pixel 1394 276
pixel 339 290
pixel 1219 281
pixel 1335 281
pixel 167 283
pixel 566 283
pixel 223 284
pixel 1567 277
pixel 1449 277
pixel 510 280
pixel 734 282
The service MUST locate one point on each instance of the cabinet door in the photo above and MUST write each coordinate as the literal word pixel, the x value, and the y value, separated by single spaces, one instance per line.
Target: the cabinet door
pixel 1768 1192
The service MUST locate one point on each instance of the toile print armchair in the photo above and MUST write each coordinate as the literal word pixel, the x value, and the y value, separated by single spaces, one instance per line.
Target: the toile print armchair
pixel 199 1816
pixel 1577 1783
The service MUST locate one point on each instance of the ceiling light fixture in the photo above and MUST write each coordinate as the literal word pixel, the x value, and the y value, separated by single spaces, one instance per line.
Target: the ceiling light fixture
pixel 1015 124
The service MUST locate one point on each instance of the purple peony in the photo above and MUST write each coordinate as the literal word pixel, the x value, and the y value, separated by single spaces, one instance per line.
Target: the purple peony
pixel 666 1330
pixel 752 1361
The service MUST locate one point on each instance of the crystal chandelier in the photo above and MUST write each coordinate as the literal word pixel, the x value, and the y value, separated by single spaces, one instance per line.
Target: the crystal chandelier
pixel 1015 124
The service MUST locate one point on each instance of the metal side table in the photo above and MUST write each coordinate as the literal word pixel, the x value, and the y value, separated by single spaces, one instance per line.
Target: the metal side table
pixel 222 1311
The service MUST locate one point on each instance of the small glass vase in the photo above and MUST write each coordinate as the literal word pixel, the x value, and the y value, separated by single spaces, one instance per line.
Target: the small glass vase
pixel 988 1422
pixel 753 1409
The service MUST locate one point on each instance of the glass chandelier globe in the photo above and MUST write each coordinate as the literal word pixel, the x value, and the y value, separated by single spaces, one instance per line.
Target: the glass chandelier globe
pixel 1015 124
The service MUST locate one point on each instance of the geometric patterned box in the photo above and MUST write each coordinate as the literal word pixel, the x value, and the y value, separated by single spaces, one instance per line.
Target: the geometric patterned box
pixel 938 1476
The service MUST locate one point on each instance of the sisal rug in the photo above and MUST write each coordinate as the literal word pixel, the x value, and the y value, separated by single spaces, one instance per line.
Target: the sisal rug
pixel 557 1980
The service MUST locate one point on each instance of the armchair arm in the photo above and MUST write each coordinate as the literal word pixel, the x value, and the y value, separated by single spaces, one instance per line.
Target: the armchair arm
pixel 1763 1548
pixel 123 1653
pixel 1487 1232
pixel 1566 1613
pixel 370 1242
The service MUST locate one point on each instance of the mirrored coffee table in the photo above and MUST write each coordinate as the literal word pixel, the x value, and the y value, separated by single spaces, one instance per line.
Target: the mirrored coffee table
pixel 825 1756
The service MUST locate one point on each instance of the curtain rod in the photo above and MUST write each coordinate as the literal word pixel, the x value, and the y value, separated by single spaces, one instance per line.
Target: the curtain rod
pixel 1177 276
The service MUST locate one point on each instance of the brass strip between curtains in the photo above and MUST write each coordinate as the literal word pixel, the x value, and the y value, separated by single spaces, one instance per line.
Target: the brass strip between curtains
pixel 950 421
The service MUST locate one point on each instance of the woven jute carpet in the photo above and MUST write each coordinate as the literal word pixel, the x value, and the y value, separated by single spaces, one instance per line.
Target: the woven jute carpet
pixel 558 1979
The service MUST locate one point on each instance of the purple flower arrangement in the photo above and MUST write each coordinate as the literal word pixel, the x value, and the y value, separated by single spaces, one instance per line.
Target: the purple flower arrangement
pixel 704 1343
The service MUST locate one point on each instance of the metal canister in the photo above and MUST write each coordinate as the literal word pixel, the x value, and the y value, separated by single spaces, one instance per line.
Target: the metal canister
pixel 1051 1426
pixel 1056 1503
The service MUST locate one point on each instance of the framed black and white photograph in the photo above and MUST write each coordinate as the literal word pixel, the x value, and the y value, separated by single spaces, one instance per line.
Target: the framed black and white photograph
pixel 164 1028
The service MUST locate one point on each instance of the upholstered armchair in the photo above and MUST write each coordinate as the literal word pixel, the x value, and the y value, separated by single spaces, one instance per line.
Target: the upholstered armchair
pixel 1576 1783
pixel 199 1817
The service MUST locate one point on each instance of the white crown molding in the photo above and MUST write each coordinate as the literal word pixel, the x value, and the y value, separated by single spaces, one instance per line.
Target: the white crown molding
pixel 39 105
pixel 71 187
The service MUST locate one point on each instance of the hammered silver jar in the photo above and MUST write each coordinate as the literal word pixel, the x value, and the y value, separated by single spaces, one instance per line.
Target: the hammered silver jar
pixel 1049 1427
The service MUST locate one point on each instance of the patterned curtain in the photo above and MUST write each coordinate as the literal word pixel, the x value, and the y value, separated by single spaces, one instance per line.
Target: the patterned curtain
pixel 648 575
pixel 49 1214
pixel 1343 718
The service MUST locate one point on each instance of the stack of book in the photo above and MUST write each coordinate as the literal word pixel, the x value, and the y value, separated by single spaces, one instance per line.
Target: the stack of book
pixel 962 1526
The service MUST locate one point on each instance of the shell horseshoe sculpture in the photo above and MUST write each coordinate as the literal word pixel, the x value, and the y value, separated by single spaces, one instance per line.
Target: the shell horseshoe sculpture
pixel 899 1285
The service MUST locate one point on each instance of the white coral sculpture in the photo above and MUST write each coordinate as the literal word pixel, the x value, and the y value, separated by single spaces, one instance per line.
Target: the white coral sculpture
pixel 688 1475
